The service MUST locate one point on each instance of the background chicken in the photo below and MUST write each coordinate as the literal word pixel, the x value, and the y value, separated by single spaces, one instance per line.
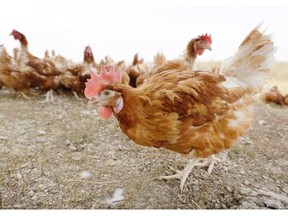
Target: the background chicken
pixel 21 55
pixel 273 95
pixel 10 75
pixel 197 114
pixel 197 46
pixel 41 73
pixel 285 98
pixel 121 66
pixel 75 76
pixel 136 70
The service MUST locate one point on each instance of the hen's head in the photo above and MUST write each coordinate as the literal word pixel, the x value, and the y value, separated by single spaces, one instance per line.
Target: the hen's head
pixel 17 35
pixel 199 44
pixel 99 91
pixel 88 55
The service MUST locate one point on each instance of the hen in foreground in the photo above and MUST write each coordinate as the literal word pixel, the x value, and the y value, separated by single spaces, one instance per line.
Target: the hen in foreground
pixel 195 113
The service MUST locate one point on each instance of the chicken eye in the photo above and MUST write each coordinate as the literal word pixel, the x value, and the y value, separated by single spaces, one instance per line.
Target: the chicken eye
pixel 107 93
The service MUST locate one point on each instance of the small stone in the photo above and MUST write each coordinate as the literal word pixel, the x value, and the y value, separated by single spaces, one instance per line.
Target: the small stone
pixel 85 174
pixel 230 189
pixel 242 171
pixel 67 142
pixel 253 193
pixel 41 186
pixel 19 175
pixel 246 182
pixel 273 204
pixel 3 138
pixel 244 191
pixel 30 193
pixel 248 205
pixel 18 206
pixel 117 196
pixel 261 122
pixel 34 197
pixel 111 162
pixel 72 147
pixel 41 132
pixel 236 195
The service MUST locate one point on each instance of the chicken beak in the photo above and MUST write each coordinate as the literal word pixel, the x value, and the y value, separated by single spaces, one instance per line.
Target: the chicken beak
pixel 93 102
pixel 209 47
pixel 118 106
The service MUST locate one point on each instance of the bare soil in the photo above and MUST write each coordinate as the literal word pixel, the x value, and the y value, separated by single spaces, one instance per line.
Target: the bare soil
pixel 63 156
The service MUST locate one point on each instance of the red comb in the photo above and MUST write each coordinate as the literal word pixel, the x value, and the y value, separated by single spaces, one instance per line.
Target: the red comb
pixel 98 82
pixel 207 38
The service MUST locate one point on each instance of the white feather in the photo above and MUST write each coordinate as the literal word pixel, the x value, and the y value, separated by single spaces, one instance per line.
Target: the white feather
pixel 241 69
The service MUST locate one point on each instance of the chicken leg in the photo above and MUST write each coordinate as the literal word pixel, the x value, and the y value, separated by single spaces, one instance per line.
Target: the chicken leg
pixel 210 161
pixel 182 175
pixel 25 96
pixel 49 97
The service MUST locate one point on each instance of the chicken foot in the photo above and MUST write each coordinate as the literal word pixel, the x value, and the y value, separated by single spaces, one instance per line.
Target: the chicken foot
pixel 210 162
pixel 182 175
pixel 25 96
pixel 49 97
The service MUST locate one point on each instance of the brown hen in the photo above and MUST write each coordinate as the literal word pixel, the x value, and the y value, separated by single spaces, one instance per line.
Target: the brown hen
pixel 197 114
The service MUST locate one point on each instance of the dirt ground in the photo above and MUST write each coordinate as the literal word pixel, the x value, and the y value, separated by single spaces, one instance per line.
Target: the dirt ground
pixel 62 156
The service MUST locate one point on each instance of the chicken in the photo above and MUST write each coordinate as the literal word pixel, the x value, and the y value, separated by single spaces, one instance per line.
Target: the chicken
pixel 46 77
pixel 273 95
pixel 197 46
pixel 83 70
pixel 75 76
pixel 121 66
pixel 159 59
pixel 43 66
pixel 10 76
pixel 197 114
pixel 61 63
pixel 137 69
pixel 21 37
pixel 21 55
pixel 285 98
pixel 13 78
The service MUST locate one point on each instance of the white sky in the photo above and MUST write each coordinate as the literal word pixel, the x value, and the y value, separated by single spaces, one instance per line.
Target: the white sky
pixel 122 28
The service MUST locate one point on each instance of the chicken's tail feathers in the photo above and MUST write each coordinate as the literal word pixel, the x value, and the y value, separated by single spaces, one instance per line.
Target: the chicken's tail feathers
pixel 247 68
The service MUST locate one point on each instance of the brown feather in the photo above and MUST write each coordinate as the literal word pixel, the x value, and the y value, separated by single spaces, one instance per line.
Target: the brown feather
pixel 171 113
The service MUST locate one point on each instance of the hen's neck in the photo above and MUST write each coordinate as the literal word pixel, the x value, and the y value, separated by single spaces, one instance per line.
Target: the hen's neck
pixel 133 106
pixel 23 42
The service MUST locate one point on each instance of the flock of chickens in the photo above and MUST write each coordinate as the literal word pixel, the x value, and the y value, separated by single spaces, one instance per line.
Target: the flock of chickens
pixel 165 105
pixel 25 72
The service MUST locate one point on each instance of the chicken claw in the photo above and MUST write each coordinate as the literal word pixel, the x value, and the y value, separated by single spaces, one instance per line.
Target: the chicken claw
pixel 182 175
pixel 210 161
pixel 49 97
pixel 25 96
